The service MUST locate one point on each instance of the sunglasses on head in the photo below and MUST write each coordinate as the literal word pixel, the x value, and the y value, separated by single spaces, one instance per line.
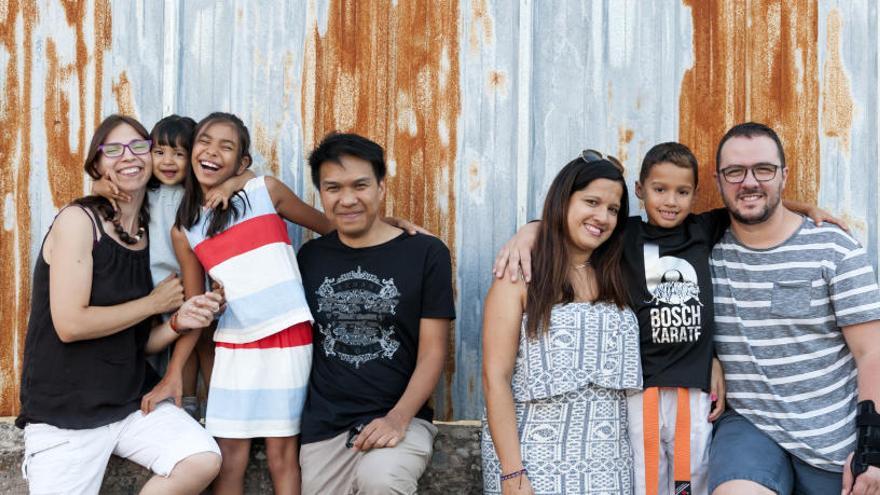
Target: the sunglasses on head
pixel 593 156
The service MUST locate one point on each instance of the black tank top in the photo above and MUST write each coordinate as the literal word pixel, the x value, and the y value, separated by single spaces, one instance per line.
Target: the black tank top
pixel 88 383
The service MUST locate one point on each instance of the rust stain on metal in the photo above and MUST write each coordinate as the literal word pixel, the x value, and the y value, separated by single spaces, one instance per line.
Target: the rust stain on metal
pixel 757 62
pixel 123 94
pixel 267 147
pixel 390 72
pixel 15 159
pixel 837 101
pixel 624 137
pixel 482 25
pixel 498 82
pixel 64 167
pixel 103 42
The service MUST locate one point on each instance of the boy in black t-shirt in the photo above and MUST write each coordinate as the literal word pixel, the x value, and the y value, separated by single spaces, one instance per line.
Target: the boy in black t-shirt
pixel 382 302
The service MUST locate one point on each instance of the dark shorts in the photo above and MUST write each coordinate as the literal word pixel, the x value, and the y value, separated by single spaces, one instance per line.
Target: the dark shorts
pixel 740 451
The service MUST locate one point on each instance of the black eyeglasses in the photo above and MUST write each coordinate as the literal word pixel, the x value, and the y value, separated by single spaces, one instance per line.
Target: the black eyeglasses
pixel 136 146
pixel 762 172
pixel 592 156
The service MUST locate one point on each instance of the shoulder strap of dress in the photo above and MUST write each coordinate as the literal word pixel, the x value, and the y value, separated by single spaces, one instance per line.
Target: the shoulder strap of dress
pixel 97 228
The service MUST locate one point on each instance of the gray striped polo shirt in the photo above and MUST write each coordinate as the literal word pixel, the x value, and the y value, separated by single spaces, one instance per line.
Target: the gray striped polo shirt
pixel 778 315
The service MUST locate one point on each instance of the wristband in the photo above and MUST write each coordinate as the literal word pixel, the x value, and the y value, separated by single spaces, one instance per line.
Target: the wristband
pixel 515 474
pixel 172 322
pixel 867 438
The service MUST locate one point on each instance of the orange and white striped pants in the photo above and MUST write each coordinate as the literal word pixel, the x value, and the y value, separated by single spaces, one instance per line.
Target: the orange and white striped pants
pixel 670 434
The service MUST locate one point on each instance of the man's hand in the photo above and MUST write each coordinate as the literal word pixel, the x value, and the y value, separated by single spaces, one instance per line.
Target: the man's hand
pixel 170 386
pixel 382 432
pixel 407 226
pixel 868 483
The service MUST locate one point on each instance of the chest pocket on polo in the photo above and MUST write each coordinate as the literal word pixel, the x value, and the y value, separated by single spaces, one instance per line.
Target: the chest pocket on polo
pixel 791 298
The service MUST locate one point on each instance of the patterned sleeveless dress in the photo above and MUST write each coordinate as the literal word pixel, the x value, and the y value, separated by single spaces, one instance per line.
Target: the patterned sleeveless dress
pixel 570 402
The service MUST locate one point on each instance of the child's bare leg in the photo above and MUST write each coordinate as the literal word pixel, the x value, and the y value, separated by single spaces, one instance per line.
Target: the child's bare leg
pixel 236 452
pixel 282 454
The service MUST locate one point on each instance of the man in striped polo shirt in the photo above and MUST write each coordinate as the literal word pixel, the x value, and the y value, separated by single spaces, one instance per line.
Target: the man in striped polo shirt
pixel 797 331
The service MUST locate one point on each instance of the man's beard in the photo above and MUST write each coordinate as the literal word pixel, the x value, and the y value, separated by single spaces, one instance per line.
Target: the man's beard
pixel 769 208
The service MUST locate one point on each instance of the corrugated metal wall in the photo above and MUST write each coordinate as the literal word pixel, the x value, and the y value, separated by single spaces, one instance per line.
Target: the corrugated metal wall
pixel 477 102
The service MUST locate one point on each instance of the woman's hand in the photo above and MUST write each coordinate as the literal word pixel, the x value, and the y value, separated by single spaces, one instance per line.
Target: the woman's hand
pixel 517 486
pixel 106 187
pixel 171 386
pixel 168 295
pixel 718 390
pixel 198 311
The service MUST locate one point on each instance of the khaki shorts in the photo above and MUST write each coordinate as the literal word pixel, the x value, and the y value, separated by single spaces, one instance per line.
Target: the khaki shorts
pixel 329 466
pixel 57 460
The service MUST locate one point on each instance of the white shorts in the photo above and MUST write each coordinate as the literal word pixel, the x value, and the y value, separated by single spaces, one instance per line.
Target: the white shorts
pixel 653 420
pixel 57 460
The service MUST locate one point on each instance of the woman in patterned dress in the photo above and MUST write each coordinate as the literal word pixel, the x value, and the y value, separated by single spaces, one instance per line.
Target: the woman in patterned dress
pixel 555 381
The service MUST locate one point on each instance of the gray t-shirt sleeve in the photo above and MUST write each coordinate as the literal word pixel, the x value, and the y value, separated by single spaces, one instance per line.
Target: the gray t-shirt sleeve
pixel 852 285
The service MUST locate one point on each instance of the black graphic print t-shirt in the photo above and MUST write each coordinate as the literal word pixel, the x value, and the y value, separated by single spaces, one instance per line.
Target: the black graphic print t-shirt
pixel 670 289
pixel 367 304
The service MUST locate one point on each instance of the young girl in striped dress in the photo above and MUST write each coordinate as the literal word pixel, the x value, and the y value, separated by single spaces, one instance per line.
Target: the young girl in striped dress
pixel 263 339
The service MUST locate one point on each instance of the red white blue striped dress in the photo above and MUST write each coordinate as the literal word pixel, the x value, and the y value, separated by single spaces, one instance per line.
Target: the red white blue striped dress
pixel 264 338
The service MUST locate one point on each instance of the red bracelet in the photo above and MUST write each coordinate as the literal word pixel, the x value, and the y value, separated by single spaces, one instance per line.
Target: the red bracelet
pixel 172 322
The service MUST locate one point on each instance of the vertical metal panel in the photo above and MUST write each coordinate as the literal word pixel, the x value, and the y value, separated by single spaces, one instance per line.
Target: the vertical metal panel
pixel 478 102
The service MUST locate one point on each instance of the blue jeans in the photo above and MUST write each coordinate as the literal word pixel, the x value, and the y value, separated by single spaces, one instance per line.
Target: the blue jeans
pixel 740 451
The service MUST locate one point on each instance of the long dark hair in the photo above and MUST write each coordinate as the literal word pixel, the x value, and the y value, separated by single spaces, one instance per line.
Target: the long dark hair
pixel 190 210
pixel 90 166
pixel 550 280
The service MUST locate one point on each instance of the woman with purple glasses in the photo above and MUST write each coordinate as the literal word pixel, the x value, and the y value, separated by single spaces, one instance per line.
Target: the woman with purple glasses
pixel 90 327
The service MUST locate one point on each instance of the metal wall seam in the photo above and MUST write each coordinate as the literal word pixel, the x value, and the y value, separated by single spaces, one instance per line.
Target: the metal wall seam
pixel 170 57
pixel 523 111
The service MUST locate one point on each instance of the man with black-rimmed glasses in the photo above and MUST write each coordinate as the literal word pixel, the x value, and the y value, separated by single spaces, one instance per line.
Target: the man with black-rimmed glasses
pixel 796 311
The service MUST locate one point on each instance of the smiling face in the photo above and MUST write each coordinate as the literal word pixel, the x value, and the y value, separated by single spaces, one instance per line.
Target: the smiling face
pixel 351 195
pixel 668 194
pixel 215 155
pixel 750 202
pixel 132 171
pixel 169 163
pixel 592 216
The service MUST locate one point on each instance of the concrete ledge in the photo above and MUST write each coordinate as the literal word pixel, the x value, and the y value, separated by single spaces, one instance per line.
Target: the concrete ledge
pixel 455 467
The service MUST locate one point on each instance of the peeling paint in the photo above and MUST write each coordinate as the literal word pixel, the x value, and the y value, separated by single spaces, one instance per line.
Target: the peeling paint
pixel 64 162
pixel 624 137
pixel 15 164
pixel 267 146
pixel 124 97
pixel 837 101
pixel 766 72
pixel 391 73
pixel 482 25
pixel 498 82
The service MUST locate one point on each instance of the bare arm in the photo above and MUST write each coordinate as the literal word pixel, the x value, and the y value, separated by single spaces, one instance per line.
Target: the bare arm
pixel 219 195
pixel 863 341
pixel 516 254
pixel 196 312
pixel 502 317
pixel 814 212
pixel 68 251
pixel 293 209
pixel 389 430
pixel 171 384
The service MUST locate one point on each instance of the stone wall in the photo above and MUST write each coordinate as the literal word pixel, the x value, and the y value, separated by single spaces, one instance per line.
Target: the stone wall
pixel 455 467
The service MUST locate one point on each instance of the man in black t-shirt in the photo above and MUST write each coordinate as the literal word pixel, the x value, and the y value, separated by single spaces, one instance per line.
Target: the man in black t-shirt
pixel 382 302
